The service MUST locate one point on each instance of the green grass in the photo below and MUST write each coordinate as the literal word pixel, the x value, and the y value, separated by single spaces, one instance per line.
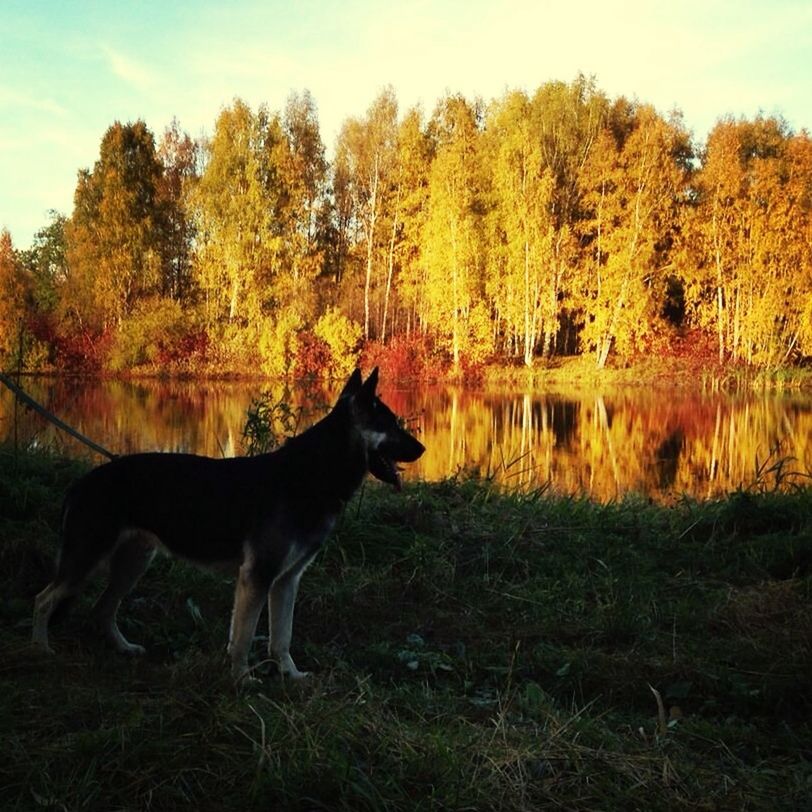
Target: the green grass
pixel 471 649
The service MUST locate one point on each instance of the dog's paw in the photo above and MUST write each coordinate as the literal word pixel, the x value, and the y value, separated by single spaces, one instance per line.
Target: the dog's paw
pixel 42 647
pixel 295 674
pixel 287 668
pixel 131 649
pixel 246 681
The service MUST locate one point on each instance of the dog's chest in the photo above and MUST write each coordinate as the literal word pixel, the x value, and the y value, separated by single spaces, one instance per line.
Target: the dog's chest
pixel 291 545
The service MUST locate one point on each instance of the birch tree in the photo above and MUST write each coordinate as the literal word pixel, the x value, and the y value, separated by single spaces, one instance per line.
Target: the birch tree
pixel 632 182
pixel 366 155
pixel 235 205
pixel 452 235
pixel 179 155
pixel 522 284
pixel 746 259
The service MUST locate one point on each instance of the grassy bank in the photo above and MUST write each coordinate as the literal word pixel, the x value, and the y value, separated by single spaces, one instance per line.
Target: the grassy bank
pixel 470 650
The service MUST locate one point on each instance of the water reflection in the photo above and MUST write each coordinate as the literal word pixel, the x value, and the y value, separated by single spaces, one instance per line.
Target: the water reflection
pixel 606 443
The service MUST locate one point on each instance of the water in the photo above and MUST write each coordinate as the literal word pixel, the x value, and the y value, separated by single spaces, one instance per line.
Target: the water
pixel 606 443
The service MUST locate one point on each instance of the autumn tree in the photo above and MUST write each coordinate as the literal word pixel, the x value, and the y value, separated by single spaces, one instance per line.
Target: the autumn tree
pixel 567 119
pixel 746 258
pixel 407 217
pixel 797 254
pixel 633 182
pixel 179 155
pixel 523 276
pixel 301 178
pixel 114 237
pixel 306 169
pixel 234 205
pixel 452 248
pixel 12 300
pixel 366 153
pixel 46 262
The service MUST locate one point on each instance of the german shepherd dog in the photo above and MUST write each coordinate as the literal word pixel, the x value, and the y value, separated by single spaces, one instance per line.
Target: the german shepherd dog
pixel 262 517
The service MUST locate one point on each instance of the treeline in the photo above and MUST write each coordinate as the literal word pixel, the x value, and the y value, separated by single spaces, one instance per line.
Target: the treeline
pixel 554 223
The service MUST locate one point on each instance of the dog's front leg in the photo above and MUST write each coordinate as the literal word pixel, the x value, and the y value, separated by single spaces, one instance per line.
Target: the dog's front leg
pixel 249 598
pixel 281 600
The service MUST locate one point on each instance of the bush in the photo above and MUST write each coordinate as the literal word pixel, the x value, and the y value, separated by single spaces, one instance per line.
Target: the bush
pixel 313 357
pixel 278 343
pixel 411 357
pixel 342 336
pixel 157 332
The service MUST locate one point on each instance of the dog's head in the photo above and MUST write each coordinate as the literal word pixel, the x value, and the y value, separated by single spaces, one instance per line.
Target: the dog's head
pixel 387 442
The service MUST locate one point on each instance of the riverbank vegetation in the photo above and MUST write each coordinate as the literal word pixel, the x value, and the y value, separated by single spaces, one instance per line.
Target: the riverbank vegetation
pixel 471 649
pixel 514 233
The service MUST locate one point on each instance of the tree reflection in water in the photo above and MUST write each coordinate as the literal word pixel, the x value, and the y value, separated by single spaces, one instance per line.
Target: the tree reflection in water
pixel 659 442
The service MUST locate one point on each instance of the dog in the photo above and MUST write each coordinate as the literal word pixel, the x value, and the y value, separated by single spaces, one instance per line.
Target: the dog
pixel 263 517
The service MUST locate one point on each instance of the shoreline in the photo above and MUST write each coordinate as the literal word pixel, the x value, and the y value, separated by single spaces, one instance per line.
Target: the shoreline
pixel 559 371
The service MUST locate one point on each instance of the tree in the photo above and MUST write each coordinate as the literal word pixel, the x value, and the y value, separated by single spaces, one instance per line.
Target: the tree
pixel 46 261
pixel 365 158
pixel 114 238
pixel 633 182
pixel 235 206
pixel 12 300
pixel 302 169
pixel 797 255
pixel 306 168
pixel 179 155
pixel 746 259
pixel 567 119
pixel 523 283
pixel 452 234
pixel 408 201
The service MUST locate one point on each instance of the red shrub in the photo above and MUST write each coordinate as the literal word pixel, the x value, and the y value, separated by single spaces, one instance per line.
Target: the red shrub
pixel 187 348
pixel 313 356
pixel 82 350
pixel 405 358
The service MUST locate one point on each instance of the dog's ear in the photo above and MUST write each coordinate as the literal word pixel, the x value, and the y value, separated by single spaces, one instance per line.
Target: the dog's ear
pixel 352 386
pixel 370 384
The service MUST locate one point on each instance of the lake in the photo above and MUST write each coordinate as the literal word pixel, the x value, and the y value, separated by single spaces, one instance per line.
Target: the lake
pixel 662 443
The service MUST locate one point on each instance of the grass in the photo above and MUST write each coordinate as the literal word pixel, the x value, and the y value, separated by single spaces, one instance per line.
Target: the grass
pixel 471 649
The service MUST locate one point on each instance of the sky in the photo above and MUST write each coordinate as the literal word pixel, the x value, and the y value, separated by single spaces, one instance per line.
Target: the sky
pixel 69 69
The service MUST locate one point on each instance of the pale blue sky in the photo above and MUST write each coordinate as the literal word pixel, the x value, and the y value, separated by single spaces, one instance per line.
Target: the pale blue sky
pixel 68 69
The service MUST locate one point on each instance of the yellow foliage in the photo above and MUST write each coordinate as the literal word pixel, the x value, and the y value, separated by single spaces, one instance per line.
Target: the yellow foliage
pixel 343 336
pixel 12 300
pixel 155 324
pixel 278 343
pixel 477 346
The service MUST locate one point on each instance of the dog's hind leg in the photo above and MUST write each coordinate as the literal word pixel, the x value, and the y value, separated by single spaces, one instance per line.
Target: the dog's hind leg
pixel 127 564
pixel 44 605
pixel 281 600
pixel 71 574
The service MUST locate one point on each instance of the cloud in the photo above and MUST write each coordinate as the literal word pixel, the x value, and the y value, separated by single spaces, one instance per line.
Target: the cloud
pixel 13 98
pixel 130 71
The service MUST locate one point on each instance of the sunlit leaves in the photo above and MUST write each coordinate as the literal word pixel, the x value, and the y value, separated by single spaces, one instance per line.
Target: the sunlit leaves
pixel 452 238
pixel 632 189
pixel 114 238
pixel 549 222
pixel 747 260
pixel 12 295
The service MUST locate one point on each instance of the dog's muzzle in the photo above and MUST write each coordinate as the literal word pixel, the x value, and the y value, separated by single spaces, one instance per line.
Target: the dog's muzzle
pixel 384 459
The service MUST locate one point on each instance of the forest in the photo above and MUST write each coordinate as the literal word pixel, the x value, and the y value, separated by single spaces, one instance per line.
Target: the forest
pixel 513 232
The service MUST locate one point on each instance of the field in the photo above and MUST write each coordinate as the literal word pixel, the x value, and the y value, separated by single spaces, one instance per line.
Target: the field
pixel 470 649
